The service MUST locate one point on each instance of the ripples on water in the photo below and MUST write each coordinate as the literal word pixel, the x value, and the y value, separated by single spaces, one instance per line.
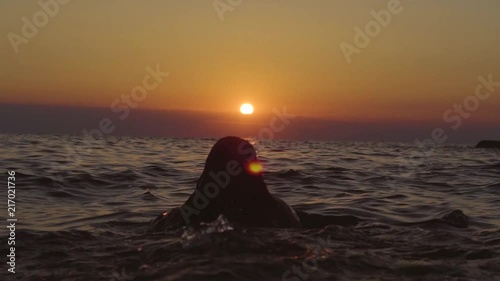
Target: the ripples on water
pixel 84 216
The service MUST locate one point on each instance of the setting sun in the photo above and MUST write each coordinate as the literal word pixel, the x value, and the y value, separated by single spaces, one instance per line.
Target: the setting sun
pixel 246 108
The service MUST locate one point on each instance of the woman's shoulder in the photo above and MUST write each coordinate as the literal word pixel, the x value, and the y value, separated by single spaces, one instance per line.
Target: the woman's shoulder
pixel 287 214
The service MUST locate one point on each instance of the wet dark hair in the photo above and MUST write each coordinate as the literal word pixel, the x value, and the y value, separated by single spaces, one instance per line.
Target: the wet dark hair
pixel 232 167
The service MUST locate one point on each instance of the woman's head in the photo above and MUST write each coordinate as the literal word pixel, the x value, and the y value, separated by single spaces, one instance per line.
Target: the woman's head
pixel 232 185
pixel 233 168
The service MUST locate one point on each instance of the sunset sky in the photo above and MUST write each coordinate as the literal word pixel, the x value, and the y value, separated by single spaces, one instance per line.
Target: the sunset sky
pixel 273 54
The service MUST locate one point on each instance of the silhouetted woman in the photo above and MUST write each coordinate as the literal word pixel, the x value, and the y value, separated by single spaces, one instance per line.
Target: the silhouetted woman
pixel 232 185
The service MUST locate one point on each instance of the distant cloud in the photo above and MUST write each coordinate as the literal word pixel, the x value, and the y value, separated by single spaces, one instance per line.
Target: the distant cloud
pixel 42 119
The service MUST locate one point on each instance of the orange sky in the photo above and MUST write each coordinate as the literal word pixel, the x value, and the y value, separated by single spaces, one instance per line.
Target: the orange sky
pixel 269 53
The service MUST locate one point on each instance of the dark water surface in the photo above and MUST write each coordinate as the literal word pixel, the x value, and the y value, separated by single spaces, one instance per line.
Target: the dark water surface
pixel 84 215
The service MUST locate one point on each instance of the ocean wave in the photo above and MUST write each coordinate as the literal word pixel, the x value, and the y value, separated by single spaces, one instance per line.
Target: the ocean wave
pixel 87 219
